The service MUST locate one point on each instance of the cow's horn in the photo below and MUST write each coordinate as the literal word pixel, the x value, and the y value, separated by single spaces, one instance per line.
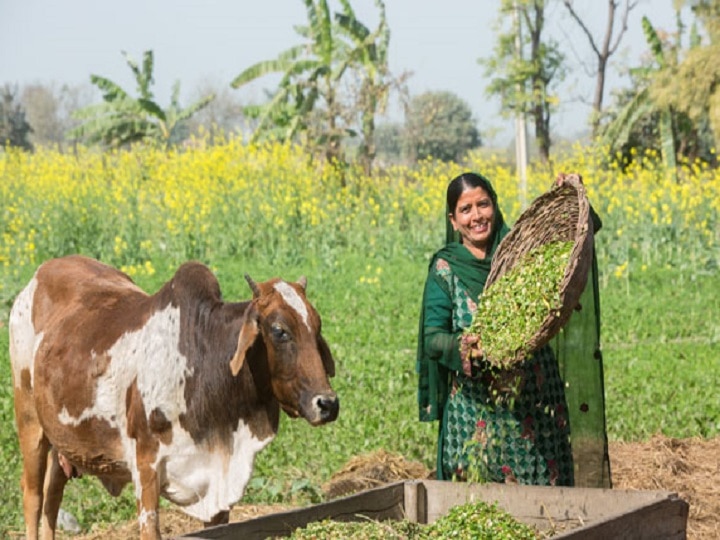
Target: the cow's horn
pixel 302 281
pixel 253 286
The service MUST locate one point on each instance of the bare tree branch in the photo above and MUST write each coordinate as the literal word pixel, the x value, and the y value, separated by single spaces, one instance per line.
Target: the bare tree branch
pixel 581 24
pixel 603 54
pixel 628 8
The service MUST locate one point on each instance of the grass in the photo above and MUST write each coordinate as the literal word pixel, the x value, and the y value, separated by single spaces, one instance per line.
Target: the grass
pixel 268 211
pixel 662 344
pixel 661 348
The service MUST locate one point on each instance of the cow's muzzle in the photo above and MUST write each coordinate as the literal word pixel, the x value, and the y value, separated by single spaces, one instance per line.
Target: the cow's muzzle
pixel 327 407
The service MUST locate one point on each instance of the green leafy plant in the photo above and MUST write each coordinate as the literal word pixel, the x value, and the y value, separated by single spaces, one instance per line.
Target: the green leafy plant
pixel 122 119
pixel 512 309
pixel 470 521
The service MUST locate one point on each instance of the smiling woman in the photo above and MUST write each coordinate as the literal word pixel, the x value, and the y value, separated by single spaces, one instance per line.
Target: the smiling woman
pixel 496 424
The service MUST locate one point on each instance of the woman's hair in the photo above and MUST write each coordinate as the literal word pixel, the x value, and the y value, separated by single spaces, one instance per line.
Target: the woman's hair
pixel 464 182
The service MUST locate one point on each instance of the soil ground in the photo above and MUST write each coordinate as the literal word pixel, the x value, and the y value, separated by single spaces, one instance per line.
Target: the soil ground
pixel 689 467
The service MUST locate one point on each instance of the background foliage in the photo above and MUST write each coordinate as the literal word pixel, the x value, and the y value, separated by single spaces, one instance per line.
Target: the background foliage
pixel 364 243
pixel 439 125
pixel 335 82
pixel 14 127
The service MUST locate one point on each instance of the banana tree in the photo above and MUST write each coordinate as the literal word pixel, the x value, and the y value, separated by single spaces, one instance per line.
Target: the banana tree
pixel 692 88
pixel 310 72
pixel 121 119
pixel 369 57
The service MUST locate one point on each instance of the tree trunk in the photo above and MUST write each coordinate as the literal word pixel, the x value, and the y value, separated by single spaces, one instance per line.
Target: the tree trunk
pixel 599 91
pixel 540 107
pixel 367 146
pixel 542 131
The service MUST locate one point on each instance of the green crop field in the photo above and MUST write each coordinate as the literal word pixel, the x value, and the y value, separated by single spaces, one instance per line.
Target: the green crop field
pixel 364 246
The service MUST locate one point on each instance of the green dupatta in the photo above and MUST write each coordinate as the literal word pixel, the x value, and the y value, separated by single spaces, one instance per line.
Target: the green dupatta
pixel 577 348
pixel 434 378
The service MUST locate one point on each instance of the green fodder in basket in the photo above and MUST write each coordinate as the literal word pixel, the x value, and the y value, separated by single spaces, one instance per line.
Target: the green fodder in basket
pixel 512 309
pixel 470 521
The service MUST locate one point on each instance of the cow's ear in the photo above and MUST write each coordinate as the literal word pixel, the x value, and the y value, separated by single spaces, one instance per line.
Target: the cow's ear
pixel 248 332
pixel 326 356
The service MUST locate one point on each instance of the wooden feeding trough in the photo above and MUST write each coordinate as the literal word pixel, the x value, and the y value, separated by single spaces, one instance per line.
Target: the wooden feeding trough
pixel 566 513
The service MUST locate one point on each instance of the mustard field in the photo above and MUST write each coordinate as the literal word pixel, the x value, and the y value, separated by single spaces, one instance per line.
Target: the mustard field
pixel 135 209
pixel 364 244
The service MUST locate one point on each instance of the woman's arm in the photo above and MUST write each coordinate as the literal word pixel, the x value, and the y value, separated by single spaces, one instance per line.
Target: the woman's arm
pixel 441 343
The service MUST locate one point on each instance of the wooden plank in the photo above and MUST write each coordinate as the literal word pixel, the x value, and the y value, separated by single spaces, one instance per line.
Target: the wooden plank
pixel 572 513
pixel 665 519
pixel 383 503
pixel 411 503
pixel 539 506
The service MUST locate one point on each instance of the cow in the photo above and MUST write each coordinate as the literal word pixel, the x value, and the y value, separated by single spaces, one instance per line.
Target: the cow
pixel 175 392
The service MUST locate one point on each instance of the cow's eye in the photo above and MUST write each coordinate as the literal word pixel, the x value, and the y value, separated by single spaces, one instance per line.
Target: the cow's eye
pixel 279 333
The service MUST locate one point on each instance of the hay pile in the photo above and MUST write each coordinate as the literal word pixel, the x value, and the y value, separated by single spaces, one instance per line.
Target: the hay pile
pixel 372 470
pixel 689 467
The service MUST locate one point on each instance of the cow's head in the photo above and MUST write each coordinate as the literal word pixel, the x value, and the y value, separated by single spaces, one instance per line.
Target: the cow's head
pixel 299 359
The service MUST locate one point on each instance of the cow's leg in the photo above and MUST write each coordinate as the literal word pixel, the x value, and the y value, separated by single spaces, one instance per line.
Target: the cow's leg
pixel 55 480
pixel 148 499
pixel 34 448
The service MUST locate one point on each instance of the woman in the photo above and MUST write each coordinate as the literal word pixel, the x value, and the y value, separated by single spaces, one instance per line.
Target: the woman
pixel 521 434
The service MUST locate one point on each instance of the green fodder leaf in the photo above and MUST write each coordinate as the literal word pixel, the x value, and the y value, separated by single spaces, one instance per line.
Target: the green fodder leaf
pixel 513 309
pixel 470 521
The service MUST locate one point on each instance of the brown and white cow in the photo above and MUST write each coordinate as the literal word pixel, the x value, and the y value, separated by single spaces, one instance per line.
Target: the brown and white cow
pixel 175 392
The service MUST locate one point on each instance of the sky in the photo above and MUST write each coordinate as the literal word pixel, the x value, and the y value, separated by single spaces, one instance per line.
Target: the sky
pixel 437 41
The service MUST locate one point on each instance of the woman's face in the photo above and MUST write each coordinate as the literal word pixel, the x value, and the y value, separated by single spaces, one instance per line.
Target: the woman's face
pixel 473 219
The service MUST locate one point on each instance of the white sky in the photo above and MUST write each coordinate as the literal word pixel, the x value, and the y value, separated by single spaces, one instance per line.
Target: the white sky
pixel 439 41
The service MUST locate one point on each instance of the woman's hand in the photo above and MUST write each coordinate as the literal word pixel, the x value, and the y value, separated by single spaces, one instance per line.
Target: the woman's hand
pixel 469 352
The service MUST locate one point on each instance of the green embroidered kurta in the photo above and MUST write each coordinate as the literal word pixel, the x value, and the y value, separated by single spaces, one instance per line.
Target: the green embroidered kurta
pixel 481 437
pixel 526 439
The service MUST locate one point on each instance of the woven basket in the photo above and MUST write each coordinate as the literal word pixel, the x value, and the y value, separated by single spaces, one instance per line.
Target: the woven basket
pixel 560 215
